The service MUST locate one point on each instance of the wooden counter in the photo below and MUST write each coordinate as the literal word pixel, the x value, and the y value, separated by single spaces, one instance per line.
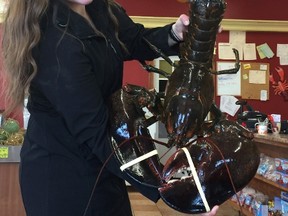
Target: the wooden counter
pixel 10 197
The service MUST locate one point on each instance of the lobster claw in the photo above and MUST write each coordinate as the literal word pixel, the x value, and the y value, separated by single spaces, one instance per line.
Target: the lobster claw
pixel 271 79
pixel 280 72
pixel 218 169
pixel 130 138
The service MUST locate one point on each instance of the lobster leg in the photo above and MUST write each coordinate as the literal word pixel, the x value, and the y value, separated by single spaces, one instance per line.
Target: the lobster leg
pixel 151 68
pixel 233 70
pixel 163 55
pixel 220 124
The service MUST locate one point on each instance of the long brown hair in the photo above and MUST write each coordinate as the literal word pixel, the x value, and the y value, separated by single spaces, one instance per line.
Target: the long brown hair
pixel 22 34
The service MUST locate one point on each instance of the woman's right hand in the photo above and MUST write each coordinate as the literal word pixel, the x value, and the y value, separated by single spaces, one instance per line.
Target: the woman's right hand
pixel 212 212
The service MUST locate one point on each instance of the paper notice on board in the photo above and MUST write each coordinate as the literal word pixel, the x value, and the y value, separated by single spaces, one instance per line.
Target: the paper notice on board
pixel 250 51
pixel 228 105
pixel 257 77
pixel 225 51
pixel 282 50
pixel 282 53
pixel 284 60
pixel 237 37
pixel 265 51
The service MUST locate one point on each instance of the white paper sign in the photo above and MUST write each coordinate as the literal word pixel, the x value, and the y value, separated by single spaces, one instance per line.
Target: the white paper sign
pixel 228 105
pixel 228 84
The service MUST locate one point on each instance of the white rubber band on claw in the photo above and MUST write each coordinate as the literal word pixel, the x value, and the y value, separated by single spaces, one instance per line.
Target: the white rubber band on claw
pixel 196 179
pixel 139 159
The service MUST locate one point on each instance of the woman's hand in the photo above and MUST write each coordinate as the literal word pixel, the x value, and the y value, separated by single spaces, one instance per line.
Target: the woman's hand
pixel 176 33
pixel 212 212
pixel 180 26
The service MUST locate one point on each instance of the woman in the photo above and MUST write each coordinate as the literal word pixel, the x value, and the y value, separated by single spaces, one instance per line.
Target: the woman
pixel 69 54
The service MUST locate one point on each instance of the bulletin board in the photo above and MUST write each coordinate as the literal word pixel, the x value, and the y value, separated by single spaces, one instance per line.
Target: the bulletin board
pixel 254 80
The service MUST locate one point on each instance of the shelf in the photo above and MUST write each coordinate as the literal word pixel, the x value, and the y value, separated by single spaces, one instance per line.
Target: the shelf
pixel 275 146
pixel 263 185
pixel 274 184
pixel 279 140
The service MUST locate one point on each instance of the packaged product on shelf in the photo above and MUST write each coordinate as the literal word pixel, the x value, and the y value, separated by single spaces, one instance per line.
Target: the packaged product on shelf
pixel 284 196
pixel 260 204
pixel 281 205
pixel 281 165
pixel 282 179
pixel 262 211
pixel 266 166
pixel 249 194
pixel 245 197
pixel 284 205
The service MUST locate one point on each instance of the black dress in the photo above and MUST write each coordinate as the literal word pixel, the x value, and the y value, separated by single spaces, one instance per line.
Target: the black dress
pixel 66 142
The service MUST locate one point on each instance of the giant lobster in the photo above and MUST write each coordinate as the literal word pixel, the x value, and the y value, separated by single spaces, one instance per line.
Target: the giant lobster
pixel 220 154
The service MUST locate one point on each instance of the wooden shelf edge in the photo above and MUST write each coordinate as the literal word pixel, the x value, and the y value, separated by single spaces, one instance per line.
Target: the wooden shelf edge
pixel 271 183
pixel 272 140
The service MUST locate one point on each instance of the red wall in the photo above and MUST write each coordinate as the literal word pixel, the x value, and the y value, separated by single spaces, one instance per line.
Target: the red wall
pixel 246 9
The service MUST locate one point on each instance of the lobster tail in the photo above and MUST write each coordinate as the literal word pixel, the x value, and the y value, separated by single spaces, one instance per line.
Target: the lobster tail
pixel 205 17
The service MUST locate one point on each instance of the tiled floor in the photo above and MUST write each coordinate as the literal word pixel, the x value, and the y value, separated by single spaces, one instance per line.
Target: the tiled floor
pixel 143 207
